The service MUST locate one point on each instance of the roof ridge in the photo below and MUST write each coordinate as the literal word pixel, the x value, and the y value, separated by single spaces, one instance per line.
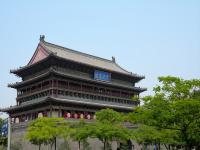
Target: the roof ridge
pixel 122 68
pixel 78 52
pixel 129 71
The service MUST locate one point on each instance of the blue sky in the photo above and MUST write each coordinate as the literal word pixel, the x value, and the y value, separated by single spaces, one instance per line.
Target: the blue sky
pixel 151 38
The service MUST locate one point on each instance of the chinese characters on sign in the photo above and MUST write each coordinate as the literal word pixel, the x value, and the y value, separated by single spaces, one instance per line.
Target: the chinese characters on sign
pixel 101 75
pixel 4 130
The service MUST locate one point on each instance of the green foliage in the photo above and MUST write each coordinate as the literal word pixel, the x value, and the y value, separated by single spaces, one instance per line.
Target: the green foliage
pixel 3 141
pixel 2 148
pixel 109 132
pixel 172 115
pixel 174 88
pixel 152 135
pixel 64 129
pixel 81 133
pixel 43 131
pixel 135 98
pixel 109 116
pixel 109 127
pixel 186 118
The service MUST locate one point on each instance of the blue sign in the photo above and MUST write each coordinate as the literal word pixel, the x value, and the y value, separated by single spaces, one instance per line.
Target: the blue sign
pixel 4 128
pixel 101 75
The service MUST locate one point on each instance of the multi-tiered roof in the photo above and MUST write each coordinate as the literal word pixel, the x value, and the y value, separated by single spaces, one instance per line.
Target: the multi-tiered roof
pixel 47 55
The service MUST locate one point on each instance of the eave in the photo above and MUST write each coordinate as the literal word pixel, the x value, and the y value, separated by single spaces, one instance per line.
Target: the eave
pixel 72 76
pixel 20 71
pixel 66 101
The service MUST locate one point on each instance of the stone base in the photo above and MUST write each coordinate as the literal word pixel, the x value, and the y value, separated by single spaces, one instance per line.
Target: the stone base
pixel 18 142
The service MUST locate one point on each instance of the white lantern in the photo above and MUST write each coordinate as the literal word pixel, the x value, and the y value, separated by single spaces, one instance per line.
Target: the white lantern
pixel 17 120
pixel 75 116
pixel 81 116
pixel 88 116
pixel 40 115
pixel 68 115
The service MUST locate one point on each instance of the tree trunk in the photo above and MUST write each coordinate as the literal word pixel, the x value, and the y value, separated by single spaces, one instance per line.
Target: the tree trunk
pixel 185 147
pixel 144 146
pixel 166 147
pixel 188 147
pixel 79 145
pixel 55 143
pixel 39 147
pixel 104 145
pixel 51 144
pixel 197 147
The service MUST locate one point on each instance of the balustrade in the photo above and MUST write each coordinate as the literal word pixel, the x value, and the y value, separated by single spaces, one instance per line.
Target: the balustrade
pixel 50 87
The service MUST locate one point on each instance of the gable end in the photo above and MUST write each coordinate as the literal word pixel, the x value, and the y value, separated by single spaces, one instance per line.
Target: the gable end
pixel 39 54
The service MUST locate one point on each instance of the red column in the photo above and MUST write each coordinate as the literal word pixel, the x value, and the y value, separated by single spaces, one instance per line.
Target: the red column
pixel 81 87
pixel 52 84
pixel 56 88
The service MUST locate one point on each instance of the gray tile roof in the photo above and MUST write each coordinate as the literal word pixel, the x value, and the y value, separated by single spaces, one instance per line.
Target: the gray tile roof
pixel 70 100
pixel 25 104
pixel 84 58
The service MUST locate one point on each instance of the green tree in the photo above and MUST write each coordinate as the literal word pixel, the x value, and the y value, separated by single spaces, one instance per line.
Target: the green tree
pixel 146 135
pixel 109 127
pixel 82 131
pixel 65 130
pixel 43 131
pixel 175 109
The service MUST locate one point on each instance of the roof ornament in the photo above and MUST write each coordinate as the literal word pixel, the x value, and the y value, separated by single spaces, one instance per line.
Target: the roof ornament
pixel 42 37
pixel 113 59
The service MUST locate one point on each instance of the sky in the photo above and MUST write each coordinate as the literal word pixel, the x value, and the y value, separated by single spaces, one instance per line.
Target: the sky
pixel 151 38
